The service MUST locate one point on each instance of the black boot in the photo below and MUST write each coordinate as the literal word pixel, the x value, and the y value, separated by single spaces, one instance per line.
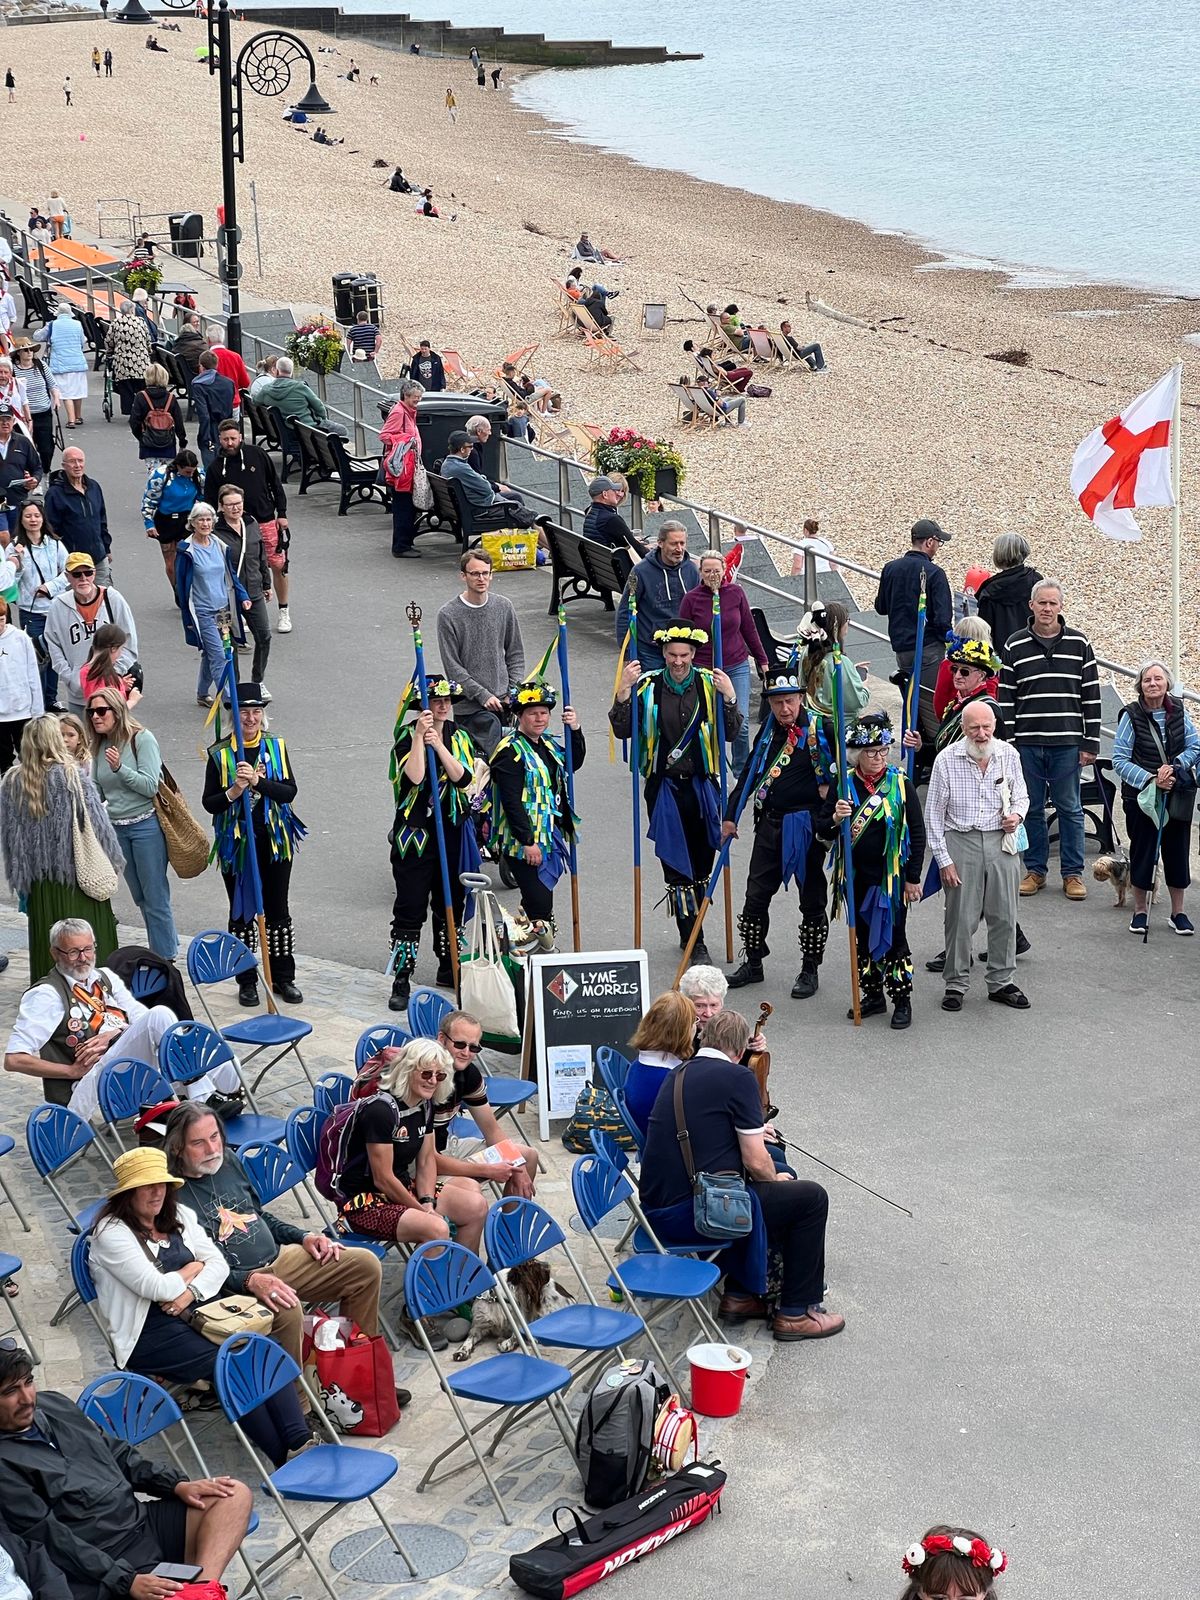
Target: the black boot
pixel 870 1005
pixel 445 975
pixel 1023 943
pixel 398 999
pixel 750 971
pixel 288 991
pixel 806 982
pixel 700 956
pixel 406 942
pixel 248 990
pixel 902 1013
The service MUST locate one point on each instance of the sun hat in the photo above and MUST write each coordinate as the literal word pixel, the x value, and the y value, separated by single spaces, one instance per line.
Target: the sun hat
pixel 138 1168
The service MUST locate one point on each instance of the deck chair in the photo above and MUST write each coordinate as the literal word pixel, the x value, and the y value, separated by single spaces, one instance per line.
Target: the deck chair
pixel 712 375
pixel 722 341
pixel 708 409
pixel 606 353
pixel 565 320
pixel 685 411
pixel 553 433
pixel 763 347
pixel 520 359
pixel 585 322
pixel 458 374
pixel 654 316
pixel 586 436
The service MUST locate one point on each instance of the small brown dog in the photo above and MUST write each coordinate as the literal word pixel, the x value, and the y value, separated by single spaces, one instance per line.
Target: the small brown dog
pixel 1114 870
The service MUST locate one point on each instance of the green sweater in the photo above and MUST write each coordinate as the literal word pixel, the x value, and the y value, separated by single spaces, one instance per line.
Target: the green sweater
pixel 854 692
pixel 249 1238
pixel 129 791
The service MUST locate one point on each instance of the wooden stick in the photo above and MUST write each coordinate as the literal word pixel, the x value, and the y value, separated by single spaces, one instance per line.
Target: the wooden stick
pixel 727 879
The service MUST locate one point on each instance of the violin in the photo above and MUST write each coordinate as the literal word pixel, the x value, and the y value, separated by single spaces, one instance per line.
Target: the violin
pixel 759 1061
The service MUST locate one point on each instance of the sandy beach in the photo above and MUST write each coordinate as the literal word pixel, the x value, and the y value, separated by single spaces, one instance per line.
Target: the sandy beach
pixel 912 419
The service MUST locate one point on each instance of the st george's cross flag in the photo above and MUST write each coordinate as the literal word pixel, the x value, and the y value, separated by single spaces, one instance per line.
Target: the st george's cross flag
pixel 1126 462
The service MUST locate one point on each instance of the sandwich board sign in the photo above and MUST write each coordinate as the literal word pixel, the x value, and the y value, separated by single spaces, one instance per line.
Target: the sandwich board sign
pixel 580 1002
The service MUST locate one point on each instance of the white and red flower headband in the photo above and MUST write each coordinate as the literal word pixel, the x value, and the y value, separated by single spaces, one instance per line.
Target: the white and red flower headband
pixel 977 1551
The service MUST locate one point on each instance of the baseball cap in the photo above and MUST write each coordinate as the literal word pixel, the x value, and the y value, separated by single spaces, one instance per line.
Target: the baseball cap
pixel 78 559
pixel 600 486
pixel 6 410
pixel 927 528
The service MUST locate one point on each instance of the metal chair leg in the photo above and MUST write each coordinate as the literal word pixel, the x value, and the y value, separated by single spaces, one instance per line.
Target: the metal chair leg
pixel 8 1195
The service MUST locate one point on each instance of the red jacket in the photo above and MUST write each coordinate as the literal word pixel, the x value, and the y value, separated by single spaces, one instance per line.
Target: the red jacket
pixel 231 365
pixel 401 428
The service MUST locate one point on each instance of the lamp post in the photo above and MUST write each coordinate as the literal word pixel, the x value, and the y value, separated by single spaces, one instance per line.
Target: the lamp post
pixel 264 66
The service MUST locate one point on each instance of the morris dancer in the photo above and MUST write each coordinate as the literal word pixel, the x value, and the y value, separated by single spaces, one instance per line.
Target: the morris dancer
pixel 529 802
pixel 793 804
pixel 677 757
pixel 887 835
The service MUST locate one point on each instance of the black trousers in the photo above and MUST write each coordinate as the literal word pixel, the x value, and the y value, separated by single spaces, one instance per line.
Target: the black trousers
pixel 893 971
pixel 536 900
pixel 1143 836
pixel 258 621
pixel 418 880
pixel 43 437
pixel 276 877
pixel 795 1213
pixel 10 741
pixel 695 834
pixel 764 879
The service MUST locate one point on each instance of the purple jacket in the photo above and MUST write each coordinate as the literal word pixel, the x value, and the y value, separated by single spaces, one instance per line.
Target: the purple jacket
pixel 739 636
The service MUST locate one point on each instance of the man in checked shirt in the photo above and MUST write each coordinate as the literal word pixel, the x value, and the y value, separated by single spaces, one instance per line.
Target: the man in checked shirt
pixel 977 801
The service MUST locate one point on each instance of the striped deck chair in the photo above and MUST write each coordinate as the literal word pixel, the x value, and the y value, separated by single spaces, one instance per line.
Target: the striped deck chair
pixel 585 323
pixel 458 374
pixel 763 347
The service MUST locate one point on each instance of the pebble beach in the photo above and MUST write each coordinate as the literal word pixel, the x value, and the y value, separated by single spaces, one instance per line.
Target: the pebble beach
pixel 915 417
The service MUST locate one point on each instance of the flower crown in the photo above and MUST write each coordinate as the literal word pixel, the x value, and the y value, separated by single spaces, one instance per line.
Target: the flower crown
pixel 814 625
pixel 681 633
pixel 443 689
pixel 977 1551
pixel 870 732
pixel 971 652
pixel 528 695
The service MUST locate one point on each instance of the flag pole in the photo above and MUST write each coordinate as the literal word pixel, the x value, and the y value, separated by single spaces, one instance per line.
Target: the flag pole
pixel 718 650
pixel 844 794
pixel 569 763
pixel 633 772
pixel 413 613
pixel 912 700
pixel 1175 531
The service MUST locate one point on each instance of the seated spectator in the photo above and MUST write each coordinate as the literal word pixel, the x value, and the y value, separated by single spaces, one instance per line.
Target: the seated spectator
pixel 811 354
pixel 73 1490
pixel 535 391
pixel 480 430
pixel 595 301
pixel 281 1265
pixel 722 1111
pixel 153 1263
pixel 731 321
pixel 264 373
pixel 425 205
pixel 573 283
pixel 605 524
pixel 426 368
pixel 461 1036
pixel 213 398
pixel 68 1022
pixel 665 1037
pixel 585 250
pixel 488 509
pixel 398 183
pixel 296 401
pixel 728 406
pixel 189 342
pixel 364 338
pixel 26 1571
pixel 713 372
pixel 952 1562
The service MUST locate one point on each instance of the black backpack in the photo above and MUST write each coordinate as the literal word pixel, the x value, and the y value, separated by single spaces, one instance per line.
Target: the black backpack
pixel 615 1436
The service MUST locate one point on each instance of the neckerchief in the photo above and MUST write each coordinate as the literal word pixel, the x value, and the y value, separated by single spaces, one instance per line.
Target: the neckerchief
pixel 950 731
pixel 683 686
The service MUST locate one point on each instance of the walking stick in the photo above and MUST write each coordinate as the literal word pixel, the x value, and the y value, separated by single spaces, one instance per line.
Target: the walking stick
pixel 718 663
pixel 844 794
pixel 1153 895
pixel 912 700
pixel 569 755
pixel 633 772
pixel 413 613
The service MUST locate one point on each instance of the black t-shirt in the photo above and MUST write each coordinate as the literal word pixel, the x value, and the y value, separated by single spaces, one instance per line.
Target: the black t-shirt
pixel 720 1100
pixel 468 1090
pixel 385 1120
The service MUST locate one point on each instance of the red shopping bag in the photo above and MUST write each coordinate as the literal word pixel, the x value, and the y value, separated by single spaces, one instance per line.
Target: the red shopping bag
pixel 356 1385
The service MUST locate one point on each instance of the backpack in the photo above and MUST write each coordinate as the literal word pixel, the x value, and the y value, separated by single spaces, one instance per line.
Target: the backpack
pixel 333 1148
pixel 595 1108
pixel 158 430
pixel 615 1437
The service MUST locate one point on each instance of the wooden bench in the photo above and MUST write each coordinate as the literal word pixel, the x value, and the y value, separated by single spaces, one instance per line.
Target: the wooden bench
pixel 316 464
pixel 357 475
pixel 583 569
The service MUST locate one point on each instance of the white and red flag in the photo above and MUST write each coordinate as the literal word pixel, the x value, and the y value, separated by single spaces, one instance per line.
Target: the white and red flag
pixel 1126 463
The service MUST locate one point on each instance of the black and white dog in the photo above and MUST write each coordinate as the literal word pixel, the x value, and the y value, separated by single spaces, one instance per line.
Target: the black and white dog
pixel 535 1292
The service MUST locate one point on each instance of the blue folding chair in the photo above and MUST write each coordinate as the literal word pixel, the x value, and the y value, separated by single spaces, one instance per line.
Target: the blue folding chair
pixel 630 1126
pixel 383 1036
pixel 147 982
pixel 215 957
pixel 126 1088
pixel 249 1370
pixel 10 1265
pixel 304 1126
pixel 506 1095
pixel 331 1089
pixel 191 1050
pixel 614 1068
pixel 427 1010
pixel 598 1188
pixel 57 1137
pixel 85 1290
pixel 135 1410
pixel 608 1149
pixel 7 1145
pixel 440 1276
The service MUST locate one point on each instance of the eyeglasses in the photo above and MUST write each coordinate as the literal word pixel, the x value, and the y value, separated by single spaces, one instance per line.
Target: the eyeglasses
pixel 99 711
pixel 432 1077
pixel 461 1044
pixel 962 672
pixel 70 955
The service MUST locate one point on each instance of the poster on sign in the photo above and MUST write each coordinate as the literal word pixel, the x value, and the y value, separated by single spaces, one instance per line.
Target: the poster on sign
pixel 580 1002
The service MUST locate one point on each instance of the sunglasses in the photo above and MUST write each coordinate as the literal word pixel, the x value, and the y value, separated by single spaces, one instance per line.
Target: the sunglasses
pixel 99 711
pixel 432 1077
pixel 962 672
pixel 82 572
pixel 461 1044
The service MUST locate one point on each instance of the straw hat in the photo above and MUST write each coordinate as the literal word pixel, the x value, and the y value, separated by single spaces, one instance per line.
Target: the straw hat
pixel 138 1168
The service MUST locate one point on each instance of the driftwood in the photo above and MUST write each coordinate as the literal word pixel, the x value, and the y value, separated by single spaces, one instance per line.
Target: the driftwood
pixel 819 308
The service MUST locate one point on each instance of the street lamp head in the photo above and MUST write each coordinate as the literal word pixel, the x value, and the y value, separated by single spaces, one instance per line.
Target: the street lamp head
pixel 314 103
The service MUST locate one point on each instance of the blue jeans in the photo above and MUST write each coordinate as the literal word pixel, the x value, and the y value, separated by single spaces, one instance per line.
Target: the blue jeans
pixel 145 852
pixel 34 623
pixel 739 677
pixel 212 652
pixel 1053 769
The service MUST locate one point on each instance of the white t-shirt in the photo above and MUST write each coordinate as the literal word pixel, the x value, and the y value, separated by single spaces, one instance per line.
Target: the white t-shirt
pixel 41 1011
pixel 11 1587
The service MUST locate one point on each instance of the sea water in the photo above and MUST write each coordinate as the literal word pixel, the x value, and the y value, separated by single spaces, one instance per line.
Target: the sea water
pixel 1057 135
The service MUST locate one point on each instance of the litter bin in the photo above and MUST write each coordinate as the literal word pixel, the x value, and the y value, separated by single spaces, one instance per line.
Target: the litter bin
pixel 438 415
pixel 343 297
pixel 187 234
pixel 364 292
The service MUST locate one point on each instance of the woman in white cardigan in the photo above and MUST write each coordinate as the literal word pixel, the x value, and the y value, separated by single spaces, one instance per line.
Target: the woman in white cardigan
pixel 20 686
pixel 152 1263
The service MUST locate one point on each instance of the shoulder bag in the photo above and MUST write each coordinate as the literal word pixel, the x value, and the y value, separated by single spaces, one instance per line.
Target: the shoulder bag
pixel 221 1318
pixel 94 872
pixel 721 1207
pixel 188 846
pixel 422 494
pixel 1182 797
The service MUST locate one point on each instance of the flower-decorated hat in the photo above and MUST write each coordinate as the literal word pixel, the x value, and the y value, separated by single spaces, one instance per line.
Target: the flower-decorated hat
pixel 870 731
pixel 441 687
pixel 680 632
pixel 972 653
pixel 526 696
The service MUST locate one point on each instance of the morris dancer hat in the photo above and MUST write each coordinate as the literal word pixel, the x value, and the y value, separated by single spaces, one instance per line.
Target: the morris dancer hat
pixel 440 688
pixel 249 695
pixel 681 632
pixel 782 682
pixel 527 696
pixel 972 653
pixel 870 731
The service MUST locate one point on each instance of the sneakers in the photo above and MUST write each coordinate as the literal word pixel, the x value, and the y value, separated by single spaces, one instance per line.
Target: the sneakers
pixel 1074 888
pixel 284 625
pixel 1182 923
pixel 204 700
pixel 1140 921
pixel 266 693
pixel 1032 882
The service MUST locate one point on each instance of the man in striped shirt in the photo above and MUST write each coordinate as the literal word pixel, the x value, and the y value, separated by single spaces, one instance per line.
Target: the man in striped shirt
pixel 1050 700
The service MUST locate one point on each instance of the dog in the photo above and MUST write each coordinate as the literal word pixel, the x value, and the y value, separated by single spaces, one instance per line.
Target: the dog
pixel 344 1413
pixel 536 1294
pixel 1115 870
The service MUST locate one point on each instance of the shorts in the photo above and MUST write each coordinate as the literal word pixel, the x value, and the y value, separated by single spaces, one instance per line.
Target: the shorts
pixel 167 1521
pixel 277 559
pixel 373 1216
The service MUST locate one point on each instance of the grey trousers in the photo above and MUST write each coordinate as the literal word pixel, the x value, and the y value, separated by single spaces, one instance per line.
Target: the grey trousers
pixel 990 886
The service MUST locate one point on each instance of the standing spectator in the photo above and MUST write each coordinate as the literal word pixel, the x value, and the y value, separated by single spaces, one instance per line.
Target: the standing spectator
pixel 660 583
pixel 205 580
pixel 739 639
pixel 56 208
pixel 899 592
pixel 253 471
pixel 42 398
pixel 8 315
pixel 68 361
pixel 108 63
pixel 229 363
pixel 479 640
pixel 10 83
pixel 12 386
pixel 42 574
pixel 76 739
pixel 243 538
pixel 212 400
pixel 1156 750
pixel 1003 599
pixel 364 338
pixel 59 231
pixel 156 419
pixel 189 342
pixel 1050 701
pixel 127 768
pixel 977 799
pixel 72 621
pixel 129 353
pixel 401 455
pixel 75 509
pixel 38 799
pixel 20 468
pixel 172 489
pixel 96 58
pixel 141 304
pixel 451 105
pixel 100 670
pixel 426 367
pixel 20 687
pixel 827 624
pixel 495 76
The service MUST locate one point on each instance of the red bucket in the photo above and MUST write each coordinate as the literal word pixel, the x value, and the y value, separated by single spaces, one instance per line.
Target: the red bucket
pixel 719 1373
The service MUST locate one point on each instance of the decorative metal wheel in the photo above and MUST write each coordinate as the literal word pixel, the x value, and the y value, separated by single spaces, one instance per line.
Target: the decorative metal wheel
pixel 179 5
pixel 266 62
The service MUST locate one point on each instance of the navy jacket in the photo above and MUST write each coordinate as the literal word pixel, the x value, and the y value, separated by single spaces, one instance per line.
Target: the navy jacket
pixel 21 458
pixel 213 399
pixel 659 591
pixel 80 520
pixel 899 589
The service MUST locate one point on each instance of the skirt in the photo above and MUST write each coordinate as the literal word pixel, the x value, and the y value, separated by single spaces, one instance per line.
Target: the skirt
pixel 71 385
pixel 46 903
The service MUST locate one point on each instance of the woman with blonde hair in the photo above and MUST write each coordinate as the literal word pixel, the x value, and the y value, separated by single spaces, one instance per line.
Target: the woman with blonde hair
pixel 665 1036
pixel 127 768
pixel 155 419
pixel 39 798
pixel 20 685
pixel 389 1177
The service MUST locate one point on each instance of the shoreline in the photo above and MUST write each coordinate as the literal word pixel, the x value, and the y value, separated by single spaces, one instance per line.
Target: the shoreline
pixel 918 416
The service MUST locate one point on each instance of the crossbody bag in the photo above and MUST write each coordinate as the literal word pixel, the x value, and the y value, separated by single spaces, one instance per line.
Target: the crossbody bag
pixel 224 1316
pixel 721 1205
pixel 1182 797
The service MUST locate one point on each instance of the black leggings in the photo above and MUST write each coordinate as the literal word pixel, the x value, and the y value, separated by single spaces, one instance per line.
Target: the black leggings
pixel 43 437
pixel 1143 835
pixel 10 741
pixel 795 1212
pixel 536 899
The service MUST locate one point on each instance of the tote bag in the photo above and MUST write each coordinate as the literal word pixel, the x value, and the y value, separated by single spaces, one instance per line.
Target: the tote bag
pixel 486 987
pixel 188 846
pixel 355 1385
pixel 94 872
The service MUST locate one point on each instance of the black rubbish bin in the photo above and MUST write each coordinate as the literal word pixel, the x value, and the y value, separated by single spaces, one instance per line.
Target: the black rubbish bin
pixel 364 292
pixel 187 234
pixel 343 297
pixel 438 415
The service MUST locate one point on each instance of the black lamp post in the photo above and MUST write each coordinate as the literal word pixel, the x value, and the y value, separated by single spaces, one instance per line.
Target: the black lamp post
pixel 264 66
pixel 134 11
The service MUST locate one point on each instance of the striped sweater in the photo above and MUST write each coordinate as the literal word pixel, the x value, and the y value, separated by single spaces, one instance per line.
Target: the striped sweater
pixel 1050 690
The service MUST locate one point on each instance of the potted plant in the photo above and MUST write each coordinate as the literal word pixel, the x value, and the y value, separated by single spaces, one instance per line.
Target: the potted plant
pixel 140 274
pixel 317 345
pixel 653 466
